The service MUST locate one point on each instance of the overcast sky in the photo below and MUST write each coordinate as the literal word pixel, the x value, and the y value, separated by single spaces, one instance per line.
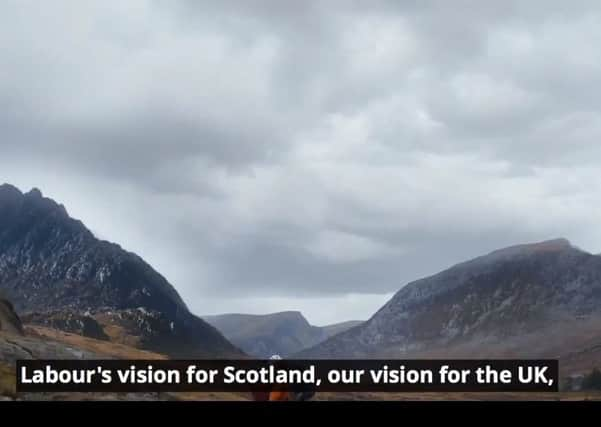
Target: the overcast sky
pixel 312 155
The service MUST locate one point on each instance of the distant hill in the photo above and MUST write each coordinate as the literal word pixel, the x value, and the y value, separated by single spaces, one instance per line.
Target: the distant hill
pixel 281 333
pixel 57 273
pixel 534 300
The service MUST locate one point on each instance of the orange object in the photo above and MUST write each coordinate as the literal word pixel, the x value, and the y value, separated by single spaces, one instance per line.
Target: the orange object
pixel 278 395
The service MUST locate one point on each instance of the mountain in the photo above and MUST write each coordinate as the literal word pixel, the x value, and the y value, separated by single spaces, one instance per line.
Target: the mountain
pixel 53 268
pixel 336 328
pixel 281 333
pixel 534 300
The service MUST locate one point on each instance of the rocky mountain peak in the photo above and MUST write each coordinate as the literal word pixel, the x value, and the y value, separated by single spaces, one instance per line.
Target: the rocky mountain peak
pixel 508 293
pixel 34 193
pixel 554 245
pixel 51 262
pixel 7 189
pixel 9 196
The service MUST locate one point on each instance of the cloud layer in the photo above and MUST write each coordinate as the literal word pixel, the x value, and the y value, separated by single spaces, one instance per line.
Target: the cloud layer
pixel 308 153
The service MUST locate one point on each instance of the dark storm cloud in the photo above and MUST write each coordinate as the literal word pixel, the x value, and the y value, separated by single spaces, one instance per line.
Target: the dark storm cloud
pixel 307 149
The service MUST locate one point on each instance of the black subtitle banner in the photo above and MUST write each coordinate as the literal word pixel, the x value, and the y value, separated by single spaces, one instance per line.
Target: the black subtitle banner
pixel 292 375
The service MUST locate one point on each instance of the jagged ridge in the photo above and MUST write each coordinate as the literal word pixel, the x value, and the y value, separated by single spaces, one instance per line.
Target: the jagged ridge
pixel 50 261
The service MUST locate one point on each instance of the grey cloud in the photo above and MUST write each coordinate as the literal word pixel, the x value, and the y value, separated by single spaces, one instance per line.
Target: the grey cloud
pixel 307 149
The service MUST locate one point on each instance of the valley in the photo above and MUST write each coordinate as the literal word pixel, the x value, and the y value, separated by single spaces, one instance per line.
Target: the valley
pixel 67 295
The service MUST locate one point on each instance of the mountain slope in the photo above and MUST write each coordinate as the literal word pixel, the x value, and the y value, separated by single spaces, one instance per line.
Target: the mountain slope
pixel 51 262
pixel 9 320
pixel 281 333
pixel 547 289
pixel 336 328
